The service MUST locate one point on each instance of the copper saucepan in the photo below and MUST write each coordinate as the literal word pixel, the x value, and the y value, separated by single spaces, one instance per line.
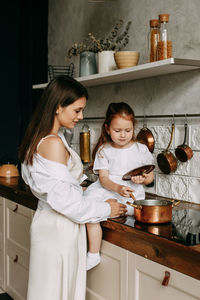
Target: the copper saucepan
pixel 153 211
pixel 183 152
pixel 146 137
pixel 166 160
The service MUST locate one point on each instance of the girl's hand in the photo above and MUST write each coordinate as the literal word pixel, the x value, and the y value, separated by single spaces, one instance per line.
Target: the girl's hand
pixel 117 209
pixel 143 179
pixel 124 191
pixel 139 179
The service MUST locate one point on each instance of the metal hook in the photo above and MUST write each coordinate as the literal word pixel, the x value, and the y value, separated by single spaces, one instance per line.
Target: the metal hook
pixel 173 119
pixel 186 119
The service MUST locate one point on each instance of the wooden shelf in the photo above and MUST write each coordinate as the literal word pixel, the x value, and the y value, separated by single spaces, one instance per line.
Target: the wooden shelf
pixel 158 68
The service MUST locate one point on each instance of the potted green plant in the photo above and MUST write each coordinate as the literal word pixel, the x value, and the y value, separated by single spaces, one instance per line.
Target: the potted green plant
pixel 115 41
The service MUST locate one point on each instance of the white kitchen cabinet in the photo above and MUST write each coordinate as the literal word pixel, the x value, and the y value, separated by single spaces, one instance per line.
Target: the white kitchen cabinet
pixel 108 281
pixel 18 220
pixel 2 243
pixel 145 282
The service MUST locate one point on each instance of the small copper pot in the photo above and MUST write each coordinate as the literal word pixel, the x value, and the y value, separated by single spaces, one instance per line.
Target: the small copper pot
pixel 184 152
pixel 146 137
pixel 166 160
pixel 153 211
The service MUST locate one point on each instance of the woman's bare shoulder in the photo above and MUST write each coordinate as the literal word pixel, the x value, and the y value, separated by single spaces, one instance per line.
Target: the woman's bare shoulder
pixel 52 148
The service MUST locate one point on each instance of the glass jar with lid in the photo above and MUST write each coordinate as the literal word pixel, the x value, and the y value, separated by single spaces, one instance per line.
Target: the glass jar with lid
pixel 165 44
pixel 153 39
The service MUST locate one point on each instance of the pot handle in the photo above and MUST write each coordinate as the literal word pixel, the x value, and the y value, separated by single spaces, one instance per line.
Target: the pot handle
pixel 134 205
pixel 172 134
pixel 175 203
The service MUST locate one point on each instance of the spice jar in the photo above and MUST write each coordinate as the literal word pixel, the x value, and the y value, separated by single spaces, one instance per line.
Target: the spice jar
pixel 165 44
pixel 85 144
pixel 154 37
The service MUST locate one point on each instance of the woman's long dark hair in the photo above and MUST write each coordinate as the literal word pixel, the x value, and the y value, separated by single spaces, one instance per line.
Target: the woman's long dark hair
pixel 62 90
pixel 120 109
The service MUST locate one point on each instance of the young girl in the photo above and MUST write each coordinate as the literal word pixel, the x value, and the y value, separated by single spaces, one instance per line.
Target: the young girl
pixel 116 153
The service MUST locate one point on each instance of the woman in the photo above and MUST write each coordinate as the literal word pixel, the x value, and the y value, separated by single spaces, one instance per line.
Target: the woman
pixel 54 173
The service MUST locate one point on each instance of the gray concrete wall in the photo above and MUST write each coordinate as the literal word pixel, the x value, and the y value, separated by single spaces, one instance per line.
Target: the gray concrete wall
pixel 70 21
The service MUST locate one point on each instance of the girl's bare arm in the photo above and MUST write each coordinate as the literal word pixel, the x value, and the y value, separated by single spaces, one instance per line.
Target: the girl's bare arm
pixel 112 186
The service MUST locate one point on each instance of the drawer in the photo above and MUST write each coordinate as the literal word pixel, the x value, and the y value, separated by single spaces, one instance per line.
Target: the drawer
pixel 18 221
pixel 17 262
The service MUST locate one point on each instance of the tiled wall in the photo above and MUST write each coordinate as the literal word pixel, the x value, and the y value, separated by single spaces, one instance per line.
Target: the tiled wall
pixel 184 184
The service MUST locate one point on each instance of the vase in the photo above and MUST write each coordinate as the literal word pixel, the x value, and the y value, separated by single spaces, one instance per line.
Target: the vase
pixel 88 64
pixel 106 62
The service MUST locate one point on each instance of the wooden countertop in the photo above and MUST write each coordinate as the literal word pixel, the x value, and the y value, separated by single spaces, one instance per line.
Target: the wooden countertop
pixel 185 259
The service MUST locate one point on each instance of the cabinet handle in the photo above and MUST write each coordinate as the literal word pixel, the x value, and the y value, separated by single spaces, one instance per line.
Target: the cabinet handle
pixel 16 208
pixel 166 278
pixel 15 259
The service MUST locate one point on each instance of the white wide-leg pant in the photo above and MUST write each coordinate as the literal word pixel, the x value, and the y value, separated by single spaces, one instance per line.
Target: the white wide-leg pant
pixel 57 269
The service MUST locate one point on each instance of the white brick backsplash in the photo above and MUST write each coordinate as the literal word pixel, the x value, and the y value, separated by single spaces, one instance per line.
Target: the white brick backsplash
pixel 179 187
pixel 195 137
pixel 155 154
pixel 76 133
pixel 195 165
pixel 94 135
pixel 183 168
pixel 162 136
pixel 184 184
pixel 163 185
pixel 194 190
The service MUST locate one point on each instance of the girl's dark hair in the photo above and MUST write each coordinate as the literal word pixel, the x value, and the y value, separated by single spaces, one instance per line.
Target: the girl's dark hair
pixel 62 90
pixel 114 110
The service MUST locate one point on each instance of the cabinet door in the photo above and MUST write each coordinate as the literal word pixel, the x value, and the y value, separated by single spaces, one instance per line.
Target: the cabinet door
pixel 17 261
pixel 18 221
pixel 2 244
pixel 108 281
pixel 148 277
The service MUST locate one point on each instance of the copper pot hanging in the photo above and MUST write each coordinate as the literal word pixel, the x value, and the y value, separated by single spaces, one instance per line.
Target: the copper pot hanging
pixel 145 136
pixel 183 152
pixel 166 160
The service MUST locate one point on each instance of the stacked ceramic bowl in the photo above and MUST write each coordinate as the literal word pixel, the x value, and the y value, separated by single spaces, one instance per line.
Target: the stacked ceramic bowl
pixel 126 59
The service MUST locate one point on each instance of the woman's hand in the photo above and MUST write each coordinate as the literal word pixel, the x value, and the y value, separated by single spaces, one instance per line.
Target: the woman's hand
pixel 117 209
pixel 124 190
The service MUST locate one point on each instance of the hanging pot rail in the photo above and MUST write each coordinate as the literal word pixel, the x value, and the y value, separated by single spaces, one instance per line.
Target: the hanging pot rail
pixel 152 116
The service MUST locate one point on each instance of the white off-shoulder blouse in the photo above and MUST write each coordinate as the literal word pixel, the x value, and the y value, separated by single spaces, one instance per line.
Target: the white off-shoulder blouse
pixel 57 187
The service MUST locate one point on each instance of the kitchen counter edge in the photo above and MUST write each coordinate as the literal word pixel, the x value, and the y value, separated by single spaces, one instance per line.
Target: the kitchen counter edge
pixel 185 259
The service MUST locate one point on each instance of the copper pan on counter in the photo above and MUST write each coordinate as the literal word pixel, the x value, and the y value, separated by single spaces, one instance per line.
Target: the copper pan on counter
pixel 153 211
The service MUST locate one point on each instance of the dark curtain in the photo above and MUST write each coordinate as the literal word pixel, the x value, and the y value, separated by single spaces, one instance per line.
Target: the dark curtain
pixel 24 55
pixel 33 55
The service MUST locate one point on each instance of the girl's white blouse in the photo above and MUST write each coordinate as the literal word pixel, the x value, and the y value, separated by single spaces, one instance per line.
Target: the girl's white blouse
pixel 119 161
pixel 58 187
